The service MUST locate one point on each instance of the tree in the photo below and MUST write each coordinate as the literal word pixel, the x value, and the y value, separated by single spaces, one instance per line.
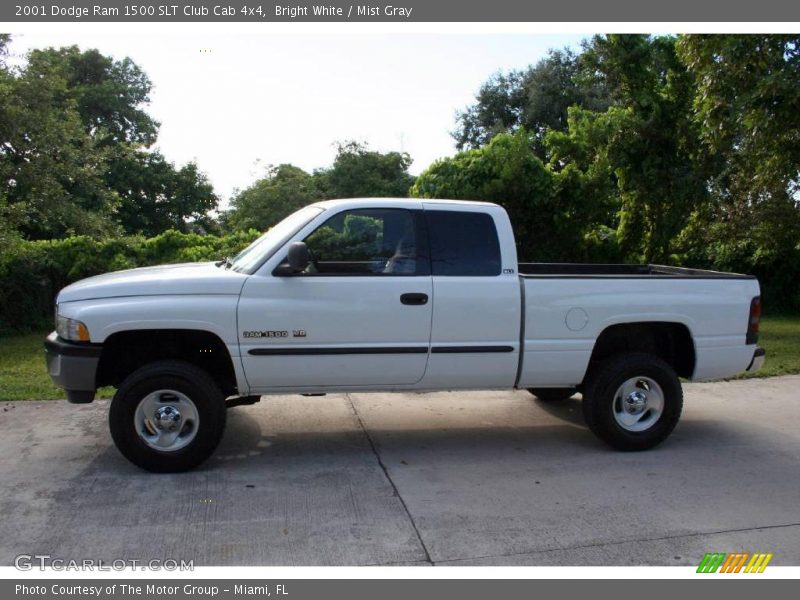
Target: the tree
pixel 108 94
pixel 51 171
pixel 549 225
pixel 747 108
pixel 73 151
pixel 498 109
pixel 358 171
pixel 9 221
pixel 586 178
pixel 110 97
pixel 536 99
pixel 654 150
pixel 748 111
pixel 283 190
pixel 156 196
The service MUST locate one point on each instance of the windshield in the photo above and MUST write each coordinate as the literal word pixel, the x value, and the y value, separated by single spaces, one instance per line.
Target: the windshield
pixel 249 259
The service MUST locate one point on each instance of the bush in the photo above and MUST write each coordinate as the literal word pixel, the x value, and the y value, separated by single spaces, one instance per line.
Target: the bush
pixel 32 272
pixel 777 268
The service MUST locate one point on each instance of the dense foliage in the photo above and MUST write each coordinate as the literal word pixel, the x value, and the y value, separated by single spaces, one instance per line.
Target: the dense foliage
pixel 33 272
pixel 537 99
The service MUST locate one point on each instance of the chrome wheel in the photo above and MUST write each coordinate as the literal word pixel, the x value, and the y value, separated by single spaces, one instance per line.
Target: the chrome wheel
pixel 638 404
pixel 166 420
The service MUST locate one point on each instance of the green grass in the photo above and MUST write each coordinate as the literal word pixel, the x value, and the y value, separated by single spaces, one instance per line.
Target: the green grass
pixel 780 337
pixel 23 375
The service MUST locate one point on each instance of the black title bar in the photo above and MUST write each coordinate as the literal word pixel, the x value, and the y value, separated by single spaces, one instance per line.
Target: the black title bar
pixel 401 11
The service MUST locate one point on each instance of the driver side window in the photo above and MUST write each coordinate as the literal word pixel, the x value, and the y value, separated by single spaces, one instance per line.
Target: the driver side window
pixel 365 242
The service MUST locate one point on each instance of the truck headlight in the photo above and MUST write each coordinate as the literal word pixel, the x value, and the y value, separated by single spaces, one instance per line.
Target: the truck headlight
pixel 71 329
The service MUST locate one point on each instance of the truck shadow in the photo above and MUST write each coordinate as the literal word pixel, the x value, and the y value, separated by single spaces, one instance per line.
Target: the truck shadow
pixel 569 410
pixel 251 440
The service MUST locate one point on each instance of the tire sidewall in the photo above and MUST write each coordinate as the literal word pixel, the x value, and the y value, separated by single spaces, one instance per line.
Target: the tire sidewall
pixel 201 391
pixel 598 407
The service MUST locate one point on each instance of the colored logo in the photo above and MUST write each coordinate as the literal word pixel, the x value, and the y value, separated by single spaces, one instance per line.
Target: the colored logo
pixel 736 562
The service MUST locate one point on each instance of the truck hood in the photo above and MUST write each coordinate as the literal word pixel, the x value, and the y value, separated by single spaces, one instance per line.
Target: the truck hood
pixel 186 278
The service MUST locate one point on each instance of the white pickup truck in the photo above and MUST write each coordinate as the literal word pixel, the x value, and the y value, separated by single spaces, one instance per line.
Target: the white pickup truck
pixel 393 295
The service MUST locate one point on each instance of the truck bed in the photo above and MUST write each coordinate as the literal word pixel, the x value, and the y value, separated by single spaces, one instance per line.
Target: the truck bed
pixel 568 306
pixel 583 270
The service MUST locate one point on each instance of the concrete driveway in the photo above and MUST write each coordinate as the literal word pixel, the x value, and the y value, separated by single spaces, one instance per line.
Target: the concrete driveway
pixel 479 478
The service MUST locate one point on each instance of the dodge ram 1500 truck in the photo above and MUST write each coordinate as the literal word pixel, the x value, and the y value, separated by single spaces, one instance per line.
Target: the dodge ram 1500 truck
pixel 393 295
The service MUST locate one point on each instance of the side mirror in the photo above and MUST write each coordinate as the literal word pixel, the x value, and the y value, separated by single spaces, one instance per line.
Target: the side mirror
pixel 298 257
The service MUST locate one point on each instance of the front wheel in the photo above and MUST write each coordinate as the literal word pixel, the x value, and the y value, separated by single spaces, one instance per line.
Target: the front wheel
pixel 168 416
pixel 633 401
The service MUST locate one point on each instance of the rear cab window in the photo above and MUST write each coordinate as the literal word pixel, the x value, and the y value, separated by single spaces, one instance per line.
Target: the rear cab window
pixel 463 243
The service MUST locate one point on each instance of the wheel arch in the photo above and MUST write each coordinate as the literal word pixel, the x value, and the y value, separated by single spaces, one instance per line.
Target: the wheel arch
pixel 126 351
pixel 671 341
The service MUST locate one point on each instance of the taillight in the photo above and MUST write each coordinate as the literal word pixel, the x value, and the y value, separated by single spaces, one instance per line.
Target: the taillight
pixel 754 320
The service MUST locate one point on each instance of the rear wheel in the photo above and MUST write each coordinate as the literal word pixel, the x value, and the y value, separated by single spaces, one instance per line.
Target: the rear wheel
pixel 633 401
pixel 549 395
pixel 168 416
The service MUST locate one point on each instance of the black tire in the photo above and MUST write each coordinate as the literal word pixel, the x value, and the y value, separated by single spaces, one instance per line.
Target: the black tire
pixel 599 400
pixel 549 395
pixel 182 377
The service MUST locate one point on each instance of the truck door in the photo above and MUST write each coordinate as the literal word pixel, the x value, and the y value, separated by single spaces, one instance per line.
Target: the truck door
pixel 477 312
pixel 360 315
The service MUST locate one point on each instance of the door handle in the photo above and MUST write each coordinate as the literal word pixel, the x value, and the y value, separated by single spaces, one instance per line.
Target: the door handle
pixel 414 299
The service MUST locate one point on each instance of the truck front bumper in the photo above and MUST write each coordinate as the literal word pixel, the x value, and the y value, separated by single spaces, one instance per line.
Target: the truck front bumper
pixel 758 359
pixel 73 366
